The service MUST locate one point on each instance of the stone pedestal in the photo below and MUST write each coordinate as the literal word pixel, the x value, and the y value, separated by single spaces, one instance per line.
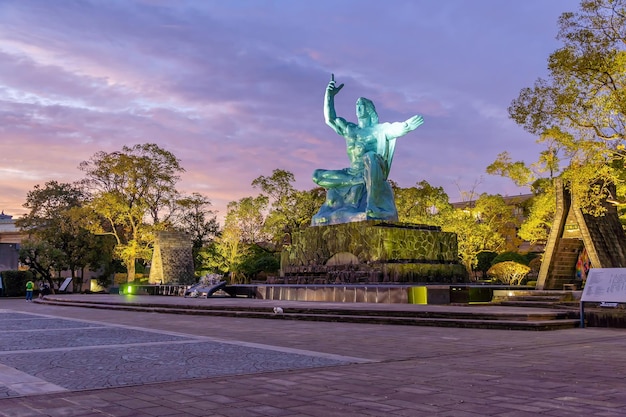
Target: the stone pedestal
pixel 172 259
pixel 372 252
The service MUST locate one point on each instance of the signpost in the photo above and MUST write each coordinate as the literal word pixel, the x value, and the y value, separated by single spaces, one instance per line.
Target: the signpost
pixel 603 285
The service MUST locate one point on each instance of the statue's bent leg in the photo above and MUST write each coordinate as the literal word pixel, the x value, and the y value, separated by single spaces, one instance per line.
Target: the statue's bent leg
pixel 345 197
pixel 333 178
pixel 380 201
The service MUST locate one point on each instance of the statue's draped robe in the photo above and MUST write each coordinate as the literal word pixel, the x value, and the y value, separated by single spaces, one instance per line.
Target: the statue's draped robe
pixel 371 200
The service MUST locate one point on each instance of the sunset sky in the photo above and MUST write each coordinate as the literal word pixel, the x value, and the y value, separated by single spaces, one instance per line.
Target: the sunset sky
pixel 235 88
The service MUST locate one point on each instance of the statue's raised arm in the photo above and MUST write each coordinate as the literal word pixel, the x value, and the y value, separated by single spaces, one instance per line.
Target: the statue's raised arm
pixel 338 124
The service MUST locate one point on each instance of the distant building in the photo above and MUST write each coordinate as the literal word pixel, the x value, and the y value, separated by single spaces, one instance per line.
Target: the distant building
pixel 10 238
pixel 517 204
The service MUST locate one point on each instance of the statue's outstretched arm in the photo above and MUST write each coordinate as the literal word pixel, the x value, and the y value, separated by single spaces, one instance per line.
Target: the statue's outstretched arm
pixel 398 129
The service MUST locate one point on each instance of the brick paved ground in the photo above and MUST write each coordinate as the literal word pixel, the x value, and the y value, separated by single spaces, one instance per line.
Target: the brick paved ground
pixel 66 361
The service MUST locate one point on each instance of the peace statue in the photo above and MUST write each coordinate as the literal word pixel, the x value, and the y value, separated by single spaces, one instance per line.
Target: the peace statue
pixel 361 191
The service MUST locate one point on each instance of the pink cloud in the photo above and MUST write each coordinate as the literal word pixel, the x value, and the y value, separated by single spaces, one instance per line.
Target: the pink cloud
pixel 235 89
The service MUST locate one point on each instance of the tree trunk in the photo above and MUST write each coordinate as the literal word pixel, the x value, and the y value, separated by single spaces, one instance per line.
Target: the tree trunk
pixel 130 269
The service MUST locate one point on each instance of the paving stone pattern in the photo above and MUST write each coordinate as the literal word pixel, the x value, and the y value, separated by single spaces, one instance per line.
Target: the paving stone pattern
pixel 21 321
pixel 409 371
pixel 77 355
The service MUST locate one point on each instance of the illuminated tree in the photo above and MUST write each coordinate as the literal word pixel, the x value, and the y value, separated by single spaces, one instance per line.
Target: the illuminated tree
pixel 579 111
pixel 499 217
pixel 537 224
pixel 420 204
pixel 195 218
pixel 243 227
pixel 57 236
pixel 480 226
pixel 133 192
pixel 289 209
pixel 509 272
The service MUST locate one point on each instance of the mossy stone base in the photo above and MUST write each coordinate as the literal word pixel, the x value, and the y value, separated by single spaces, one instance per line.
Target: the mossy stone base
pixel 371 252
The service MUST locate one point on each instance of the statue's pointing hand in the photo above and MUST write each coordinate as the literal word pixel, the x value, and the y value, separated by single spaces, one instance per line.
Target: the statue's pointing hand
pixel 332 89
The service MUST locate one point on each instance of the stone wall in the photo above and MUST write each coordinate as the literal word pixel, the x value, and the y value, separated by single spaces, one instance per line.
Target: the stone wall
pixel 370 252
pixel 603 237
pixel 172 259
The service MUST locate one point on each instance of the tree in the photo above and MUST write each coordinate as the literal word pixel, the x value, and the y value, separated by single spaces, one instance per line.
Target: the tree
pixel 133 192
pixel 259 260
pixel 54 225
pixel 281 196
pixel 41 257
pixel 500 218
pixel 290 210
pixel 537 224
pixel 580 109
pixel 195 218
pixel 243 227
pixel 307 204
pixel 517 171
pixel 510 256
pixel 421 203
pixel 483 261
pixel 480 226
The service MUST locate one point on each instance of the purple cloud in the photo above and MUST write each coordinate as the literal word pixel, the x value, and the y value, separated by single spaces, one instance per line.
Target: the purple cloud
pixel 234 89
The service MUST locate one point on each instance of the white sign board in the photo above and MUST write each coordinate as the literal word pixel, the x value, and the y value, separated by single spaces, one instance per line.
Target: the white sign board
pixel 605 284
pixel 65 284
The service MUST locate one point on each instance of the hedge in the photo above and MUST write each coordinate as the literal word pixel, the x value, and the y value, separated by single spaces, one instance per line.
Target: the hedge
pixel 15 282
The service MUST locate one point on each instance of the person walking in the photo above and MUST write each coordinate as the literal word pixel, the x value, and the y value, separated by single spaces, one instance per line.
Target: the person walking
pixel 30 286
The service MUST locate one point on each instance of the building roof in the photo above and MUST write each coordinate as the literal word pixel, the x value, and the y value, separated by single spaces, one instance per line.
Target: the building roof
pixel 7 224
pixel 509 200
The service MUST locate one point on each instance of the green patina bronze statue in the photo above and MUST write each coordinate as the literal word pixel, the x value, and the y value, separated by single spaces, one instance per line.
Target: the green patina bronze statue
pixel 360 192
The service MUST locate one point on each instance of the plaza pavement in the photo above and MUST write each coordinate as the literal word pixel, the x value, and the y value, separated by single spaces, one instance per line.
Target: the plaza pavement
pixel 68 361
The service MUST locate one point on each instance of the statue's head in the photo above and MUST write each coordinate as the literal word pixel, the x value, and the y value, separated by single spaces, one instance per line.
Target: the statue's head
pixel 365 109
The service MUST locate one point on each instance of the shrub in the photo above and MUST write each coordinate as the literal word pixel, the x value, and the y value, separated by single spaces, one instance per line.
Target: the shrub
pixel 484 261
pixel 510 256
pixel 509 272
pixel 15 282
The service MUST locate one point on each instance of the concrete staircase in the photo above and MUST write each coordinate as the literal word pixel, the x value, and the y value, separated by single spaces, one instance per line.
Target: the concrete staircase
pixel 483 317
pixel 563 266
pixel 538 299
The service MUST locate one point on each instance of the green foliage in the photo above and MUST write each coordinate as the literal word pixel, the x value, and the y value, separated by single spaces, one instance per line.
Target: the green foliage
pixel 15 282
pixel 579 111
pixel 420 204
pixel 133 196
pixel 536 227
pixel 500 217
pixel 510 256
pixel 41 257
pixel 57 239
pixel 259 261
pixel 509 272
pixel 289 209
pixel 483 261
pixel 242 228
pixel 517 171
pixel 196 219
pixel 488 224
pixel 207 260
